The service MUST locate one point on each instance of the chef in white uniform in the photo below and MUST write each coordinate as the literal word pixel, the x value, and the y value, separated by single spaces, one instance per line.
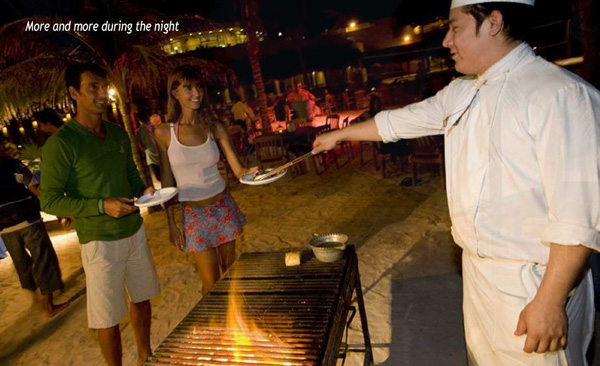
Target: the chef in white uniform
pixel 522 154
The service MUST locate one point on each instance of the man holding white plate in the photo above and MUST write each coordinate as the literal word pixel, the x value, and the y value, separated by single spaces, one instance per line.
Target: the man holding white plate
pixel 89 174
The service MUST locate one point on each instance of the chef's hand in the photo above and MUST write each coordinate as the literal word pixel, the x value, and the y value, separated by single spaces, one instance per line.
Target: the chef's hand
pixel 119 207
pixel 545 326
pixel 325 142
pixel 176 237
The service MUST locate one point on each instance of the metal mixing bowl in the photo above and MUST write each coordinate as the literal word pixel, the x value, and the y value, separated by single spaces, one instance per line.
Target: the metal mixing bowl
pixel 329 247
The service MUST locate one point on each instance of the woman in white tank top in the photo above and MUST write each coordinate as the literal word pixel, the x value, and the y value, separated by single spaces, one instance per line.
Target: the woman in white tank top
pixel 189 154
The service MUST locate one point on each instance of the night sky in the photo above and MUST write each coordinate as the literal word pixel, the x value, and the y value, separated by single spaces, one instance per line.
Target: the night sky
pixel 313 15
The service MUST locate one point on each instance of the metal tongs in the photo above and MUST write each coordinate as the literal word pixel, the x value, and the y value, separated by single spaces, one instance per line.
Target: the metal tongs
pixel 279 169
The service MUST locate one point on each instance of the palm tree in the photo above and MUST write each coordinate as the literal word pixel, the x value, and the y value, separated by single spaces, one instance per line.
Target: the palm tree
pixel 250 22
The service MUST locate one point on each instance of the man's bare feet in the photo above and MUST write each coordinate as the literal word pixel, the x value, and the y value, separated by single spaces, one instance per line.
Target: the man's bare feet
pixel 57 309
pixel 50 308
pixel 37 300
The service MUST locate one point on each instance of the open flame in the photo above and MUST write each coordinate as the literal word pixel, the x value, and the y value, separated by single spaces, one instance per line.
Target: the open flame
pixel 248 337
pixel 240 328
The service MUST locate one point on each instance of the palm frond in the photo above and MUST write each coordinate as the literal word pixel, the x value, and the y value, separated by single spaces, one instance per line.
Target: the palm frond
pixel 31 85
pixel 32 64
pixel 19 45
pixel 141 69
pixel 14 48
pixel 30 151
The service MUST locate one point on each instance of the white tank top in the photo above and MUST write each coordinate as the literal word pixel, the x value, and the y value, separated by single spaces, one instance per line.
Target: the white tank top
pixel 195 169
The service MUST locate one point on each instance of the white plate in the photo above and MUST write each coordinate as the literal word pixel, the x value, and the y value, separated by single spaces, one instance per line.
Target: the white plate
pixel 247 179
pixel 160 196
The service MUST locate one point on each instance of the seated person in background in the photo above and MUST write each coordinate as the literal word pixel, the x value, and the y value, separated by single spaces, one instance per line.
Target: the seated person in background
pixel 302 95
pixel 243 115
pixel 282 110
pixel 10 150
pixel 49 121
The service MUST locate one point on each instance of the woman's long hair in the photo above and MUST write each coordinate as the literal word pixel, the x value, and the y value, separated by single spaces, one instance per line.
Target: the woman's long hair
pixel 177 77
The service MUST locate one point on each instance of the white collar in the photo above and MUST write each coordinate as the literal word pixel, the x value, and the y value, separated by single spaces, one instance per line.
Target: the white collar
pixel 505 65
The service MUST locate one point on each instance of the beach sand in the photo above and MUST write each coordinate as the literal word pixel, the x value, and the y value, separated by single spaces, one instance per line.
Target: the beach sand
pixel 407 262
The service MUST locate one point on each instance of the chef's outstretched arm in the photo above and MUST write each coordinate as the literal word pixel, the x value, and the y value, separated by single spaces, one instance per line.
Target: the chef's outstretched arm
pixel 363 131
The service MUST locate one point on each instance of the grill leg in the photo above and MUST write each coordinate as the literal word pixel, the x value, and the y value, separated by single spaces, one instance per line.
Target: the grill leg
pixel 344 353
pixel 363 321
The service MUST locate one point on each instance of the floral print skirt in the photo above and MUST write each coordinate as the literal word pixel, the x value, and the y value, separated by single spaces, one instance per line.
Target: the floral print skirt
pixel 213 225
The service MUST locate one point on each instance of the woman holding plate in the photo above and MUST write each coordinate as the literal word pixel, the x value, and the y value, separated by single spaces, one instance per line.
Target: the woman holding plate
pixel 189 154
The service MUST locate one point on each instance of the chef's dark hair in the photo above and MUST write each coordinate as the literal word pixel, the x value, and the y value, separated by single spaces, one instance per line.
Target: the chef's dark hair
pixel 517 18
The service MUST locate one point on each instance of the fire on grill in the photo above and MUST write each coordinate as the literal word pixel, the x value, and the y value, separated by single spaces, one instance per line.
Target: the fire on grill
pixel 264 313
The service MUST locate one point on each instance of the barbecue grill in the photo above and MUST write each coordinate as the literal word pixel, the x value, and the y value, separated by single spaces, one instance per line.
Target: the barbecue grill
pixel 282 315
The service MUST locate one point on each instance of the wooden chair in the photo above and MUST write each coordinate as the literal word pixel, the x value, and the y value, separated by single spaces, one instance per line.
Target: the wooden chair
pixel 363 146
pixel 428 150
pixel 330 104
pixel 347 145
pixel 361 99
pixel 391 153
pixel 320 161
pixel 333 120
pixel 270 151
pixel 326 159
pixel 376 152
pixel 301 143
pixel 298 122
pixel 347 101
pixel 345 122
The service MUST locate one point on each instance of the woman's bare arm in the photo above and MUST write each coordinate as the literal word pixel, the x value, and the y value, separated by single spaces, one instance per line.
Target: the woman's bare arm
pixel 224 140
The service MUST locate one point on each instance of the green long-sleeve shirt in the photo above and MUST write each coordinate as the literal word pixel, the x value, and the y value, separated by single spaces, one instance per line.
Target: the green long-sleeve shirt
pixel 78 169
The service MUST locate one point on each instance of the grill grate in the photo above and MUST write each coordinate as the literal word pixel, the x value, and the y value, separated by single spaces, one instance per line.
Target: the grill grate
pixel 295 315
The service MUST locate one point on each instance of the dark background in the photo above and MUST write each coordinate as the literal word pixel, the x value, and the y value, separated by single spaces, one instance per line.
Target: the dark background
pixel 314 15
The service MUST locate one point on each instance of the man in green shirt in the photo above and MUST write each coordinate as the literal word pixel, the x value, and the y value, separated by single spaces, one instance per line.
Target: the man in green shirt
pixel 89 174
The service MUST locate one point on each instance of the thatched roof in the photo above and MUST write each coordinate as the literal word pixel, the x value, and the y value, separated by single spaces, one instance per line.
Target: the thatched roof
pixel 31 85
pixel 32 65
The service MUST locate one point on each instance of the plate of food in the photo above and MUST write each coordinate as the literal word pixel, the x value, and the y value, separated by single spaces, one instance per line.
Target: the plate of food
pixel 251 179
pixel 160 196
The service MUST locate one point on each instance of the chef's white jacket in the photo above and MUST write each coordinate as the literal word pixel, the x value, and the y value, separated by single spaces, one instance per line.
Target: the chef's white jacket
pixel 522 152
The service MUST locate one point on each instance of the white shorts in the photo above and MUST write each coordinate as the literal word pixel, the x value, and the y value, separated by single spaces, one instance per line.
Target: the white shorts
pixel 494 294
pixel 112 266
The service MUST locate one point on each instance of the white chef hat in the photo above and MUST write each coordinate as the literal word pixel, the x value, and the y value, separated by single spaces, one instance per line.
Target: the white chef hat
pixel 459 3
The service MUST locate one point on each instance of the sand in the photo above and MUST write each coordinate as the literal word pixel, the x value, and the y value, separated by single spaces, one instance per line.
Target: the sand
pixel 401 234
